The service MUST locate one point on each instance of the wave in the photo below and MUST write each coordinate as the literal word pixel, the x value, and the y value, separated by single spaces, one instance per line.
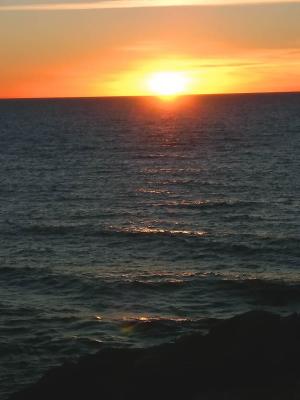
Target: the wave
pixel 170 171
pixel 165 327
pixel 250 248
pixel 196 204
pixel 173 182
pixel 153 191
pixel 47 281
pixel 260 288
pixel 152 231
pixel 263 292
pixel 154 325
pixel 90 230
pixel 165 156
pixel 204 242
pixel 48 229
pixel 170 284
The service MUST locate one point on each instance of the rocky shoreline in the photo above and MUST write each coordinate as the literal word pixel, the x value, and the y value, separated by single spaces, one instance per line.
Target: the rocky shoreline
pixel 254 356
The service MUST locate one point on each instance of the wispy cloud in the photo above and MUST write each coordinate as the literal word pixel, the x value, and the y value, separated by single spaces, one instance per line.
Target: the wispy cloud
pixel 10 5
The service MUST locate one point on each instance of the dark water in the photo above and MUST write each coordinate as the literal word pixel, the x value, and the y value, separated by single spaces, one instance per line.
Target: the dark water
pixel 131 221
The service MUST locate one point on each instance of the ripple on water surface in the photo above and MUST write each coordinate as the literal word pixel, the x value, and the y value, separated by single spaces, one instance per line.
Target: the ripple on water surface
pixel 128 222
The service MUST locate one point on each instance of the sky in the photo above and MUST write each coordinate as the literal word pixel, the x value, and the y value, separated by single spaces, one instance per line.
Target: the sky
pixel 67 48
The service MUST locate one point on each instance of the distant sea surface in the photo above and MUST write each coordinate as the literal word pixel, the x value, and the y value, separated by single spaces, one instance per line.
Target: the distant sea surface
pixel 130 221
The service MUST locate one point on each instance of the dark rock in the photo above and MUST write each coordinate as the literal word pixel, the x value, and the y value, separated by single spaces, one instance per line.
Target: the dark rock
pixel 252 356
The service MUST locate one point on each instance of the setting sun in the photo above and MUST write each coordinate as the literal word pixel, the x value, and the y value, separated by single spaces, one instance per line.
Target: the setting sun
pixel 168 83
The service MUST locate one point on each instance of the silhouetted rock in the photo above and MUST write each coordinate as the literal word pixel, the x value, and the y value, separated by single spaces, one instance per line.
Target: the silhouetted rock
pixel 252 356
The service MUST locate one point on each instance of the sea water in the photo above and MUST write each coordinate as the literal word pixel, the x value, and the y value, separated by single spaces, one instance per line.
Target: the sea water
pixel 130 221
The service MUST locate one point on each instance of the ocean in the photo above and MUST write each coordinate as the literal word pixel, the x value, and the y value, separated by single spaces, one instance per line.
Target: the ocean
pixel 131 221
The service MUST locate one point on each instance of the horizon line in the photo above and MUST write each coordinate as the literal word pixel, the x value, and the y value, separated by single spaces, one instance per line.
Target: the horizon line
pixel 148 96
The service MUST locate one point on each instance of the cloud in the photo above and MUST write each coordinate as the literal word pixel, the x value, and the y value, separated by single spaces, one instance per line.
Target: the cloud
pixel 9 5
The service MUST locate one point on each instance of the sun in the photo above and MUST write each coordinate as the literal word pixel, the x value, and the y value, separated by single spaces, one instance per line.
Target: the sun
pixel 168 84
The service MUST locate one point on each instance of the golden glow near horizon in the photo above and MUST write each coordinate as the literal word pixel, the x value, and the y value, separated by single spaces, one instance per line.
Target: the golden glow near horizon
pixel 161 51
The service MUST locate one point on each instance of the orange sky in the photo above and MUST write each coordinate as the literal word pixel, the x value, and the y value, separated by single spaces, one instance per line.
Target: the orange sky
pixel 80 49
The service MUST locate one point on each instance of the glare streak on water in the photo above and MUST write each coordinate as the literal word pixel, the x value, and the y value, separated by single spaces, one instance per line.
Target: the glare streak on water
pixel 128 222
